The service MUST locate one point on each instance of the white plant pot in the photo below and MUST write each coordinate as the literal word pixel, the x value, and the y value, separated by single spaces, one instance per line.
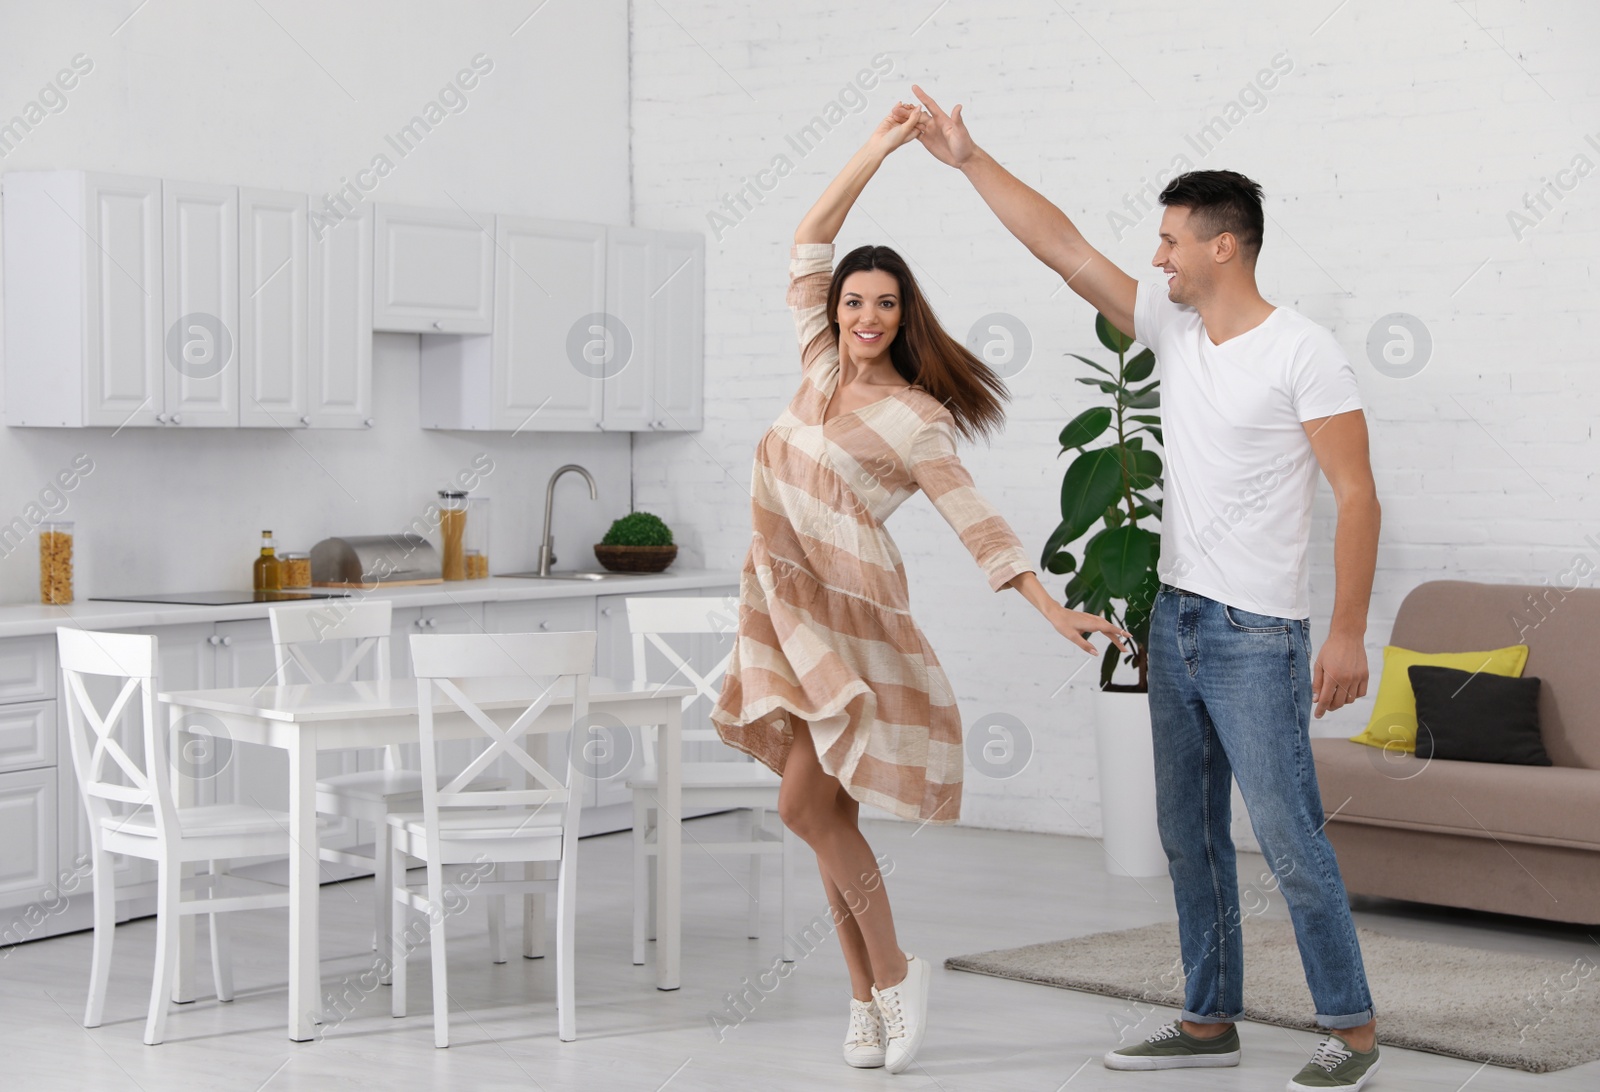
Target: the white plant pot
pixel 1131 842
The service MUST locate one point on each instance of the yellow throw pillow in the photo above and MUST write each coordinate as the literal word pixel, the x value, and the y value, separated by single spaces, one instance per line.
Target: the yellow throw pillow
pixel 1394 711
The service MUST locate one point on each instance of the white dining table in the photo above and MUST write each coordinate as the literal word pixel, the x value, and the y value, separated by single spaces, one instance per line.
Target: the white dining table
pixel 306 719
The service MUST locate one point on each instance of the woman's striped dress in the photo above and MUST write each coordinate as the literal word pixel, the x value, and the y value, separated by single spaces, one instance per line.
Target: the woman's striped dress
pixel 825 628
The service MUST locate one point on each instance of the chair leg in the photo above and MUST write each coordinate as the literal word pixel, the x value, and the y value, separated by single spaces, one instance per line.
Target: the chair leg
pixel 753 830
pixel 169 892
pixel 382 897
pixel 566 952
pixel 105 932
pixel 221 950
pixel 641 880
pixel 786 891
pixel 497 925
pixel 441 986
pixel 398 915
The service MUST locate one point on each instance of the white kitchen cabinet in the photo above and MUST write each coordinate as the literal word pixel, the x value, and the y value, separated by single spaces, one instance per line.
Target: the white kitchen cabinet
pixel 677 330
pixel 27 735
pixel 655 287
pixel 628 390
pixel 28 851
pixel 433 271
pixel 84 336
pixel 339 323
pixel 273 278
pixel 549 344
pixel 200 304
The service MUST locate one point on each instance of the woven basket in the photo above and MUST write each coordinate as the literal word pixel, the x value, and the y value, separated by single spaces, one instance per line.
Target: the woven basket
pixel 636 559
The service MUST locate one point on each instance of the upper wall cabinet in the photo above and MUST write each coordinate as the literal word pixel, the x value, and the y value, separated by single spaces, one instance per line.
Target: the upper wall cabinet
pixel 655 293
pixel 433 271
pixel 138 302
pixel 594 328
pixel 84 311
pixel 339 322
pixel 273 242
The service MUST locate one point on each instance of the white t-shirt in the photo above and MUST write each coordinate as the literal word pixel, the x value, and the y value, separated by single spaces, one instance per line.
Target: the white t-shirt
pixel 1240 473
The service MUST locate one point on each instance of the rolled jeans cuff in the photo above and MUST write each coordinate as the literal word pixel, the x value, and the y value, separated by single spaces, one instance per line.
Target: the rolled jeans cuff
pixel 1197 1018
pixel 1343 1023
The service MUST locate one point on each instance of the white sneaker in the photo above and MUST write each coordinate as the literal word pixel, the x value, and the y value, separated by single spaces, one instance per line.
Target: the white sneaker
pixel 863 1043
pixel 904 1008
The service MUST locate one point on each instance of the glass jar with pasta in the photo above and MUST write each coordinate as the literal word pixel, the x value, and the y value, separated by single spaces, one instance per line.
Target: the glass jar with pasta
pixel 452 534
pixel 55 563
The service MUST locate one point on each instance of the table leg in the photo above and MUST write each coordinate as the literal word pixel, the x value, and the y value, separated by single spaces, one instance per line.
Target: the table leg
pixel 669 848
pixel 184 789
pixel 304 955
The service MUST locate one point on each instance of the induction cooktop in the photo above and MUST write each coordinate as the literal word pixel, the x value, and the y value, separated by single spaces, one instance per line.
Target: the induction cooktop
pixel 221 598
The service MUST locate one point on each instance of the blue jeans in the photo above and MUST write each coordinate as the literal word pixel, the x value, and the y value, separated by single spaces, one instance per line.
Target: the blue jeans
pixel 1230 697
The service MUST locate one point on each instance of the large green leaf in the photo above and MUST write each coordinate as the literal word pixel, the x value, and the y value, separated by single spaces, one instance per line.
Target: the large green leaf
pixel 1061 564
pixel 1143 467
pixel 1145 418
pixel 1091 484
pixel 1150 399
pixel 1105 385
pixel 1139 367
pixel 1123 556
pixel 1086 426
pixel 1108 668
pixel 1097 367
pixel 1111 337
pixel 1062 535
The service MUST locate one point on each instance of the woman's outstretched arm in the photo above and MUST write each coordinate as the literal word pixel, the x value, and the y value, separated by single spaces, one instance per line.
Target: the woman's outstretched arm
pixel 822 223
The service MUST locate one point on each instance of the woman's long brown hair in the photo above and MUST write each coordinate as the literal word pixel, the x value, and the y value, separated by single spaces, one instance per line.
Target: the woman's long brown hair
pixel 923 353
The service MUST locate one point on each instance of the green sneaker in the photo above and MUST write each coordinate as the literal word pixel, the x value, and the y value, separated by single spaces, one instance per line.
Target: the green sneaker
pixel 1173 1048
pixel 1336 1064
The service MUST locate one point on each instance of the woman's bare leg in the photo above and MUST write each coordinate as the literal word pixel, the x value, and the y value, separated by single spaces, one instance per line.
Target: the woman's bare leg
pixel 810 804
pixel 850 938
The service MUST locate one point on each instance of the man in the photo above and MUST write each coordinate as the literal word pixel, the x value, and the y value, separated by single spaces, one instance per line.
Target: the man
pixel 1255 399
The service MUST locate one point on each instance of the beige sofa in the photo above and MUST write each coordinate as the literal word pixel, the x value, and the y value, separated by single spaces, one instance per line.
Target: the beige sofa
pixel 1510 839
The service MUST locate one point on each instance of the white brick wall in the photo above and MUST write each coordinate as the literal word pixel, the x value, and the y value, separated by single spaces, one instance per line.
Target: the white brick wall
pixel 1391 154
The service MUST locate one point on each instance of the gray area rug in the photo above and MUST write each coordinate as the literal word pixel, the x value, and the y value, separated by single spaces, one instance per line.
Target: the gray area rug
pixel 1507 1010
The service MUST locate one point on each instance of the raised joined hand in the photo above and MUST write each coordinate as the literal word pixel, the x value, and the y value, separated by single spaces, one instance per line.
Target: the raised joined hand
pixel 904 123
pixel 1076 626
pixel 944 135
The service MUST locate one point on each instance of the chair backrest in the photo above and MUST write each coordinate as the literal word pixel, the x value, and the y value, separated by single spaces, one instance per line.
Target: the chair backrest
pixel 360 629
pixel 107 773
pixel 652 620
pixel 541 669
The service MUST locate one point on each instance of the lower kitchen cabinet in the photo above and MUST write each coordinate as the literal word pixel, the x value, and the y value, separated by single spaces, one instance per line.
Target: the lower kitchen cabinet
pixel 28 850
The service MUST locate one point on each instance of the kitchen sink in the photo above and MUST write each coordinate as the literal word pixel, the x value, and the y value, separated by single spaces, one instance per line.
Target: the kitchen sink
pixel 534 575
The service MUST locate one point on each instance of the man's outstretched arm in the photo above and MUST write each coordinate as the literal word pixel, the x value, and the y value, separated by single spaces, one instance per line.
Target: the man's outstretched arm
pixel 1040 226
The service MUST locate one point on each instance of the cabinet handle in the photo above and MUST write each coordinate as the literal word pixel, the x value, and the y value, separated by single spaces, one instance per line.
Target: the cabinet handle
pixel 305 420
pixel 213 640
pixel 161 418
pixel 177 418
pixel 608 611
pixel 421 623
pixel 366 422
pixel 544 625
pixel 437 325
pixel 432 622
pixel 227 640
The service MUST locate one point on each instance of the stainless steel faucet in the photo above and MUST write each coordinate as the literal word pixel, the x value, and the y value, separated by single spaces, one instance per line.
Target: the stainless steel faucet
pixel 547 555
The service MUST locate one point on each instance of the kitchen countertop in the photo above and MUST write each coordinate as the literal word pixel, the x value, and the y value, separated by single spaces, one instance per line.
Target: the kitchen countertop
pixel 32 619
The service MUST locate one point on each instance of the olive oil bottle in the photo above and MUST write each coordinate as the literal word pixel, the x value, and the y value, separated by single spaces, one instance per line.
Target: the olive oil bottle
pixel 268 576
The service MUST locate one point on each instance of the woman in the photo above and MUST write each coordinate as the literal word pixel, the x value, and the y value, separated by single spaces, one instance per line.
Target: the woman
pixel 831 683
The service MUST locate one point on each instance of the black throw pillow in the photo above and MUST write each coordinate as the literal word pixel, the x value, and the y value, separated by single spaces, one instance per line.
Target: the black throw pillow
pixel 1477 717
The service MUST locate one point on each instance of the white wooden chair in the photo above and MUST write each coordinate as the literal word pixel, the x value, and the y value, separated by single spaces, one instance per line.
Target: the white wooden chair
pixel 132 810
pixel 464 824
pixel 359 633
pixel 745 785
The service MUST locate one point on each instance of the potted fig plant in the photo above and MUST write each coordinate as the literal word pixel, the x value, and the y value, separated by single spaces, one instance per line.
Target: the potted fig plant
pixel 1109 493
pixel 637 543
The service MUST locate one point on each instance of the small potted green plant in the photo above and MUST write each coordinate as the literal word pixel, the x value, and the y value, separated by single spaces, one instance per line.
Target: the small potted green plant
pixel 637 543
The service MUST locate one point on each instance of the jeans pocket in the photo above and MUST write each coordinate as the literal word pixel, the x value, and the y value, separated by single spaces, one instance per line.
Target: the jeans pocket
pixel 1248 622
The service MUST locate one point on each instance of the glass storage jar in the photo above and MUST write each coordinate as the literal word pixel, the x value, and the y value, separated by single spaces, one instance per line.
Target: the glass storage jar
pixel 294 569
pixel 55 563
pixel 452 534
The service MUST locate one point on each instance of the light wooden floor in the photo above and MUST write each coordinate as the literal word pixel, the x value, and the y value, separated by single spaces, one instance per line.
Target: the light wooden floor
pixel 955 890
